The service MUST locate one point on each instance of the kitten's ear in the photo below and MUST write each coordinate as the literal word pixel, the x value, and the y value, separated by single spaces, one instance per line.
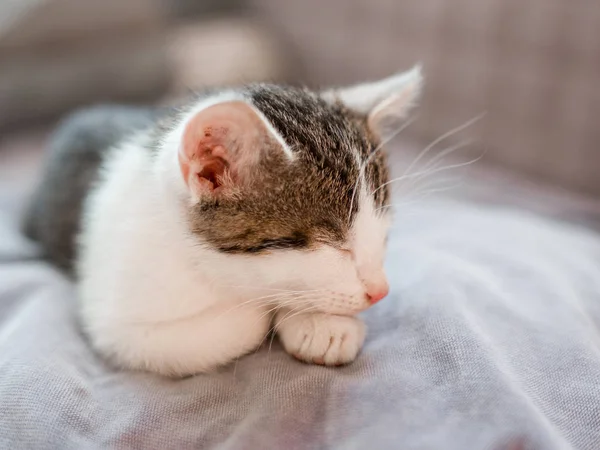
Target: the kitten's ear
pixel 384 102
pixel 221 146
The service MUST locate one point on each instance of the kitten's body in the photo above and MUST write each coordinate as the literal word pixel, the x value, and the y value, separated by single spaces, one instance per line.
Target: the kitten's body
pixel 251 202
pixel 75 153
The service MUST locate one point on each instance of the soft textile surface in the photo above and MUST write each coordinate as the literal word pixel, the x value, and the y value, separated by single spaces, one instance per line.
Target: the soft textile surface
pixel 489 340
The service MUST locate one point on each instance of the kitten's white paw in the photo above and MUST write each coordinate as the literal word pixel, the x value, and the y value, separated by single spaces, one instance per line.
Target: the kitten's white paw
pixel 321 338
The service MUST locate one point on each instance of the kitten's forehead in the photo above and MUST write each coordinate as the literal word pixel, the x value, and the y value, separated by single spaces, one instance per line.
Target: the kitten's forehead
pixel 326 136
pixel 310 124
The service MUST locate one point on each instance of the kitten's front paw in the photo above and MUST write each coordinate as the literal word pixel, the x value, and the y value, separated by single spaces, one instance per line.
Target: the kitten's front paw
pixel 321 338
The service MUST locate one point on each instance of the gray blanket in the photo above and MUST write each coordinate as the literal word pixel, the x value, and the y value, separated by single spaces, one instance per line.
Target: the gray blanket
pixel 489 340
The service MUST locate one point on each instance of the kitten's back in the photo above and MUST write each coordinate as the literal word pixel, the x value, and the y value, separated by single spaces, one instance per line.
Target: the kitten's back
pixel 75 152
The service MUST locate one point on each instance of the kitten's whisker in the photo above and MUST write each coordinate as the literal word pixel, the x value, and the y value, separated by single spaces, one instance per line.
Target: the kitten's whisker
pixel 441 138
pixel 247 286
pixel 429 169
pixel 277 299
pixel 435 187
pixel 416 192
pixel 258 301
pixel 446 152
pixel 253 302
pixel 429 172
pixel 414 185
pixel 300 300
pixel 274 299
pixel 422 184
pixel 421 196
pixel 283 304
pixel 304 298
pixel 276 296
pixel 288 315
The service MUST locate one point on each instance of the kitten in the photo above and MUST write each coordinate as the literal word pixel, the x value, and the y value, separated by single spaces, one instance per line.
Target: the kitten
pixel 190 232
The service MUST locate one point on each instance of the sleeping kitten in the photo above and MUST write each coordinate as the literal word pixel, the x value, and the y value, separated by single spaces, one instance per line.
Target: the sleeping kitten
pixel 197 229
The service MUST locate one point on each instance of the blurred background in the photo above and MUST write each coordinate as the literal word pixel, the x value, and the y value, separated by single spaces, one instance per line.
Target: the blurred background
pixel 531 67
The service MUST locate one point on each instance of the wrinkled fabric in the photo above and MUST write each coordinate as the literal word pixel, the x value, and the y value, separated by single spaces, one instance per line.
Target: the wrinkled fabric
pixel 488 340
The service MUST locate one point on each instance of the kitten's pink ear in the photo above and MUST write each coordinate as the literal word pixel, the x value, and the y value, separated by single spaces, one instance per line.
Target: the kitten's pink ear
pixel 221 145
pixel 385 102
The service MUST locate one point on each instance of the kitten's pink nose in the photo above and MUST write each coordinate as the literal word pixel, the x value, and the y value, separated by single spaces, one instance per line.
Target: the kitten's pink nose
pixel 378 291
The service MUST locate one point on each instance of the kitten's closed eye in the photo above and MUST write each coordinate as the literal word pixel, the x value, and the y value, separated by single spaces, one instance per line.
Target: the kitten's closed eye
pixel 346 252
pixel 296 241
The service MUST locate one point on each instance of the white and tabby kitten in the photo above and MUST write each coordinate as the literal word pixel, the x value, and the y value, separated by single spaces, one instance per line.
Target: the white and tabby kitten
pixel 191 232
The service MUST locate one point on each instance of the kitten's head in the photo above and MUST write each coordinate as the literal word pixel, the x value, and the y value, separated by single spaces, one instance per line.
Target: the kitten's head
pixel 286 189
